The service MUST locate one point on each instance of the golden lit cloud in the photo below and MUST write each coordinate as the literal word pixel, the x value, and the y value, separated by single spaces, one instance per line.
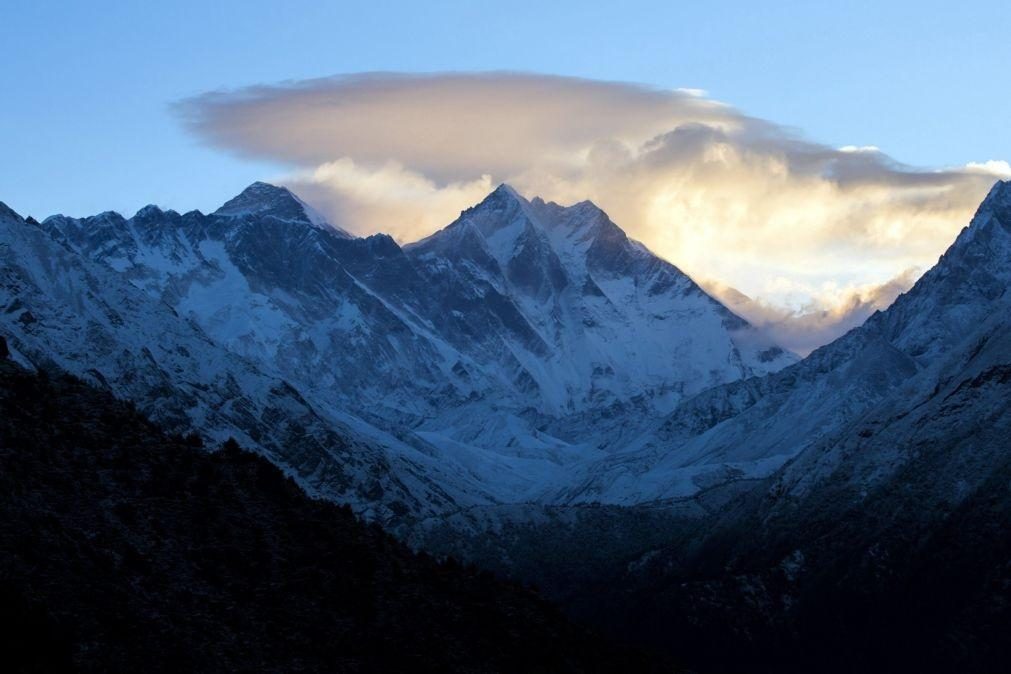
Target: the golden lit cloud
pixel 816 235
pixel 828 312
pixel 390 198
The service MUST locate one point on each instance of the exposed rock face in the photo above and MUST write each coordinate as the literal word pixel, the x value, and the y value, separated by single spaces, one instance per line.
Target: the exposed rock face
pixel 480 365
pixel 753 427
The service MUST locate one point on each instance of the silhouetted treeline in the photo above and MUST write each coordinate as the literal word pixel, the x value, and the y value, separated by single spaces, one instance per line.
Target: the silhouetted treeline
pixel 123 549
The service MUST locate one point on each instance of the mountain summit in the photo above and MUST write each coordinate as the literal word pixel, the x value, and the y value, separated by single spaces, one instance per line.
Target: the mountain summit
pixel 265 200
pixel 863 493
pixel 931 336
pixel 529 359
pixel 480 364
pixel 610 320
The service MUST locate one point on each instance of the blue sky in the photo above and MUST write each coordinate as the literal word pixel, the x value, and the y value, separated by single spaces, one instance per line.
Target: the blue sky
pixel 86 124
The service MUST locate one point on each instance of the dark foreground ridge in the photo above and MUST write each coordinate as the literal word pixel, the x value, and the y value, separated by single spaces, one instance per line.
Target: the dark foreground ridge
pixel 123 549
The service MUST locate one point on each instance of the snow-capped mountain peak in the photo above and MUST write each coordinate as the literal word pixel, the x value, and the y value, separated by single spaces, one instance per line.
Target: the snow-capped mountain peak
pixel 502 215
pixel 265 200
pixel 152 213
pixel 520 339
pixel 8 212
pixel 505 191
pixel 579 282
pixel 996 207
pixel 1000 193
pixel 149 211
pixel 899 358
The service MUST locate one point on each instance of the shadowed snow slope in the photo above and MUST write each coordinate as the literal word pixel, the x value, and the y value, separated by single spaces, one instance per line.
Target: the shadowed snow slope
pixel 897 361
pixel 879 543
pixel 480 365
pixel 528 352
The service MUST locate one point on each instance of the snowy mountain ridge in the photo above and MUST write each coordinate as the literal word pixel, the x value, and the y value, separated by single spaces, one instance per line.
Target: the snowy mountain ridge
pixel 526 353
pixel 523 339
pixel 266 200
pixel 787 422
pixel 62 310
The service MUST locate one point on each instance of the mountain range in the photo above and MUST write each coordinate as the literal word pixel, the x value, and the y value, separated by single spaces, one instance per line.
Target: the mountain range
pixel 898 361
pixel 531 389
pixel 478 366
pixel 847 513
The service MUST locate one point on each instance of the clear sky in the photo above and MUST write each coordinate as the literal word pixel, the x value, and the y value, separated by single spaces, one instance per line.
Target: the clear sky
pixel 85 123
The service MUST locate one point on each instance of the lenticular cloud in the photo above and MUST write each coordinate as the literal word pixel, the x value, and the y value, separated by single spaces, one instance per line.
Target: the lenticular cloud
pixel 731 199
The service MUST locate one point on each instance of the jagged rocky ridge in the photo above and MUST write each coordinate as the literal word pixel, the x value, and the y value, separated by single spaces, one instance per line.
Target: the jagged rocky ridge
pixel 804 504
pixel 877 539
pixel 750 428
pixel 63 310
pixel 475 367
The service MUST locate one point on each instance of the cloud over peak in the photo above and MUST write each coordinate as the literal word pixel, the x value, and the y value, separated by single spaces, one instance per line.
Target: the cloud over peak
pixel 725 196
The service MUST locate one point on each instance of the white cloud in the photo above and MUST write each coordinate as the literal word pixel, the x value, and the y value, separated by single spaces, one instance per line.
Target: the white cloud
pixel 824 314
pixel 993 167
pixel 448 126
pixel 721 194
pixel 389 198
pixel 860 148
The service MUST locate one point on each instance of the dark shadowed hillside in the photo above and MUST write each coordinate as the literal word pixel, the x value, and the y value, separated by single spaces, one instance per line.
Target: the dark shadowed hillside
pixel 123 549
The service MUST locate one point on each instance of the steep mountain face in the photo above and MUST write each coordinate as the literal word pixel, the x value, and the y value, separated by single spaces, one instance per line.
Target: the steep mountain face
pixel 750 428
pixel 847 514
pixel 884 546
pixel 62 310
pixel 531 373
pixel 598 319
pixel 489 359
pixel 944 427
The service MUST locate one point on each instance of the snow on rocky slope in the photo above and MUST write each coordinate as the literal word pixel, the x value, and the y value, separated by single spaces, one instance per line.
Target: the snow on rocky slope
pixel 588 316
pixel 528 352
pixel 488 360
pixel 59 309
pixel 823 410
pixel 881 545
